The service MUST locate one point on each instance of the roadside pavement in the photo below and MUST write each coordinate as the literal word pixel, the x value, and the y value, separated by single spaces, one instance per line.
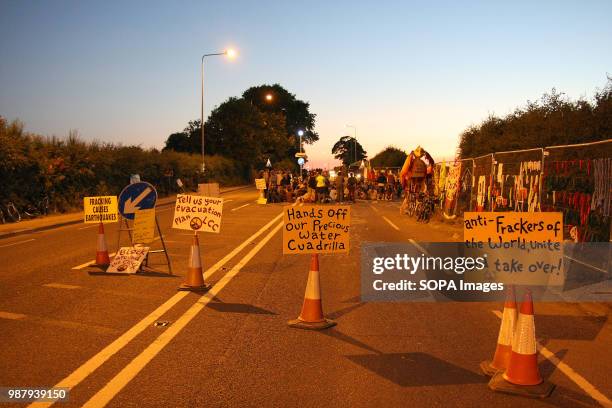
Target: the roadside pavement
pixel 12 229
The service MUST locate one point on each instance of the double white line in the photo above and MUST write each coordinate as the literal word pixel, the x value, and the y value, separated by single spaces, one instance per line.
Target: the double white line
pixel 115 385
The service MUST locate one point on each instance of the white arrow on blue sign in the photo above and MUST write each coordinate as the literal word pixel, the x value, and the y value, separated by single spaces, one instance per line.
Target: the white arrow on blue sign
pixel 137 196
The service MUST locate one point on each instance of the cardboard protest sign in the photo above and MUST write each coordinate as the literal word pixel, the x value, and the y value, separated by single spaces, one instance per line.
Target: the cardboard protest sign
pixel 197 213
pixel 509 226
pixel 521 248
pixel 100 209
pixel 209 189
pixel 128 259
pixel 144 226
pixel 260 184
pixel 316 229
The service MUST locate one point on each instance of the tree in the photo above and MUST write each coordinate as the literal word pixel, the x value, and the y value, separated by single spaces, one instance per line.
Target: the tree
pixel 552 120
pixel 238 129
pixel 252 128
pixel 389 157
pixel 179 142
pixel 296 112
pixel 344 150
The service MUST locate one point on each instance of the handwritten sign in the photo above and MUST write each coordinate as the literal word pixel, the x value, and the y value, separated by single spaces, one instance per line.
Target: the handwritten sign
pixel 260 184
pixel 316 229
pixel 513 226
pixel 128 259
pixel 144 226
pixel 521 248
pixel 100 209
pixel 198 213
pixel 209 189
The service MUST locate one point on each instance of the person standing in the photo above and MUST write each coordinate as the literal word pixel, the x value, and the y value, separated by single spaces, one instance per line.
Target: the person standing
pixel 312 186
pixel 321 187
pixel 340 187
pixel 352 184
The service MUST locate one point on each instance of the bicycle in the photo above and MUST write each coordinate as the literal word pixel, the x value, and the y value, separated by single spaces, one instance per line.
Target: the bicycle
pixel 409 204
pixel 9 212
pixel 389 192
pixel 426 209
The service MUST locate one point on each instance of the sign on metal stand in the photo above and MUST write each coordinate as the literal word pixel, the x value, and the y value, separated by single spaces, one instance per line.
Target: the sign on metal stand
pixel 137 205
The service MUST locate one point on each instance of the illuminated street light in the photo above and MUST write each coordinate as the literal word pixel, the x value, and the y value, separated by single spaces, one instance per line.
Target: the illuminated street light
pixel 229 53
pixel 269 97
pixel 300 134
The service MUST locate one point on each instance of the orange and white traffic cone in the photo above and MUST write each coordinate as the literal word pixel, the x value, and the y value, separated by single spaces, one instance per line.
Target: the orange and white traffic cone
pixel 504 339
pixel 102 258
pixel 522 376
pixel 194 281
pixel 311 316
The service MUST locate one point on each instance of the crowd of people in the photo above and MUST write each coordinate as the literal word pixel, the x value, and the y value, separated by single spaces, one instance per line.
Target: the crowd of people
pixel 318 186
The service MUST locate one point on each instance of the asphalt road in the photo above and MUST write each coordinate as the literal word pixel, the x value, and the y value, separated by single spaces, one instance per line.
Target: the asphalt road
pixel 232 347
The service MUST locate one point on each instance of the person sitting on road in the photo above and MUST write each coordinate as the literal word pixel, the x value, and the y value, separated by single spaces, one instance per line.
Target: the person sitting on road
pixel 273 196
pixel 333 194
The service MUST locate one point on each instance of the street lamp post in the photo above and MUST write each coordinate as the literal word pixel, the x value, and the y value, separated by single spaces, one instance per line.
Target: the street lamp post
pixel 355 137
pixel 230 54
pixel 300 134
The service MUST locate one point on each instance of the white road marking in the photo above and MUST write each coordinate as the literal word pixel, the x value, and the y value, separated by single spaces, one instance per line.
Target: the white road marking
pixel 17 243
pixel 242 206
pixel 92 262
pixel 570 373
pixel 420 248
pixel 586 264
pixel 61 286
pixel 114 386
pixel 227 201
pixel 88 226
pixel 12 316
pixel 374 208
pixel 81 373
pixel 390 223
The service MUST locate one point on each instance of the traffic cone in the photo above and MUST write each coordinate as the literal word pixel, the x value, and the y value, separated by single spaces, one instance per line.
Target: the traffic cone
pixel 504 339
pixel 102 258
pixel 522 376
pixel 311 316
pixel 195 279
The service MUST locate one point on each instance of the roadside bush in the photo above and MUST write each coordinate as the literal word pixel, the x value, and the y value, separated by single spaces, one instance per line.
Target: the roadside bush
pixel 32 166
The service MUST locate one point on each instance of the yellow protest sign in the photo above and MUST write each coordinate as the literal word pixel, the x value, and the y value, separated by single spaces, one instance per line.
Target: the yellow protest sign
pixel 513 226
pixel 322 229
pixel 260 184
pixel 144 226
pixel 198 213
pixel 521 248
pixel 209 189
pixel 100 209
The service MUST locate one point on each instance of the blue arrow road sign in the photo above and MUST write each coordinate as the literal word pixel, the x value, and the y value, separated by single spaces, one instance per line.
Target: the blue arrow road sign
pixel 137 196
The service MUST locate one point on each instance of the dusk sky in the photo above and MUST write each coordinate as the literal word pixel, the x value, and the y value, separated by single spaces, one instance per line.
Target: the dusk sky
pixel 404 73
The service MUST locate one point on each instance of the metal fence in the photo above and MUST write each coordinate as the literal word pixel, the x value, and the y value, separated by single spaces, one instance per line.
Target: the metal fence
pixel 573 179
